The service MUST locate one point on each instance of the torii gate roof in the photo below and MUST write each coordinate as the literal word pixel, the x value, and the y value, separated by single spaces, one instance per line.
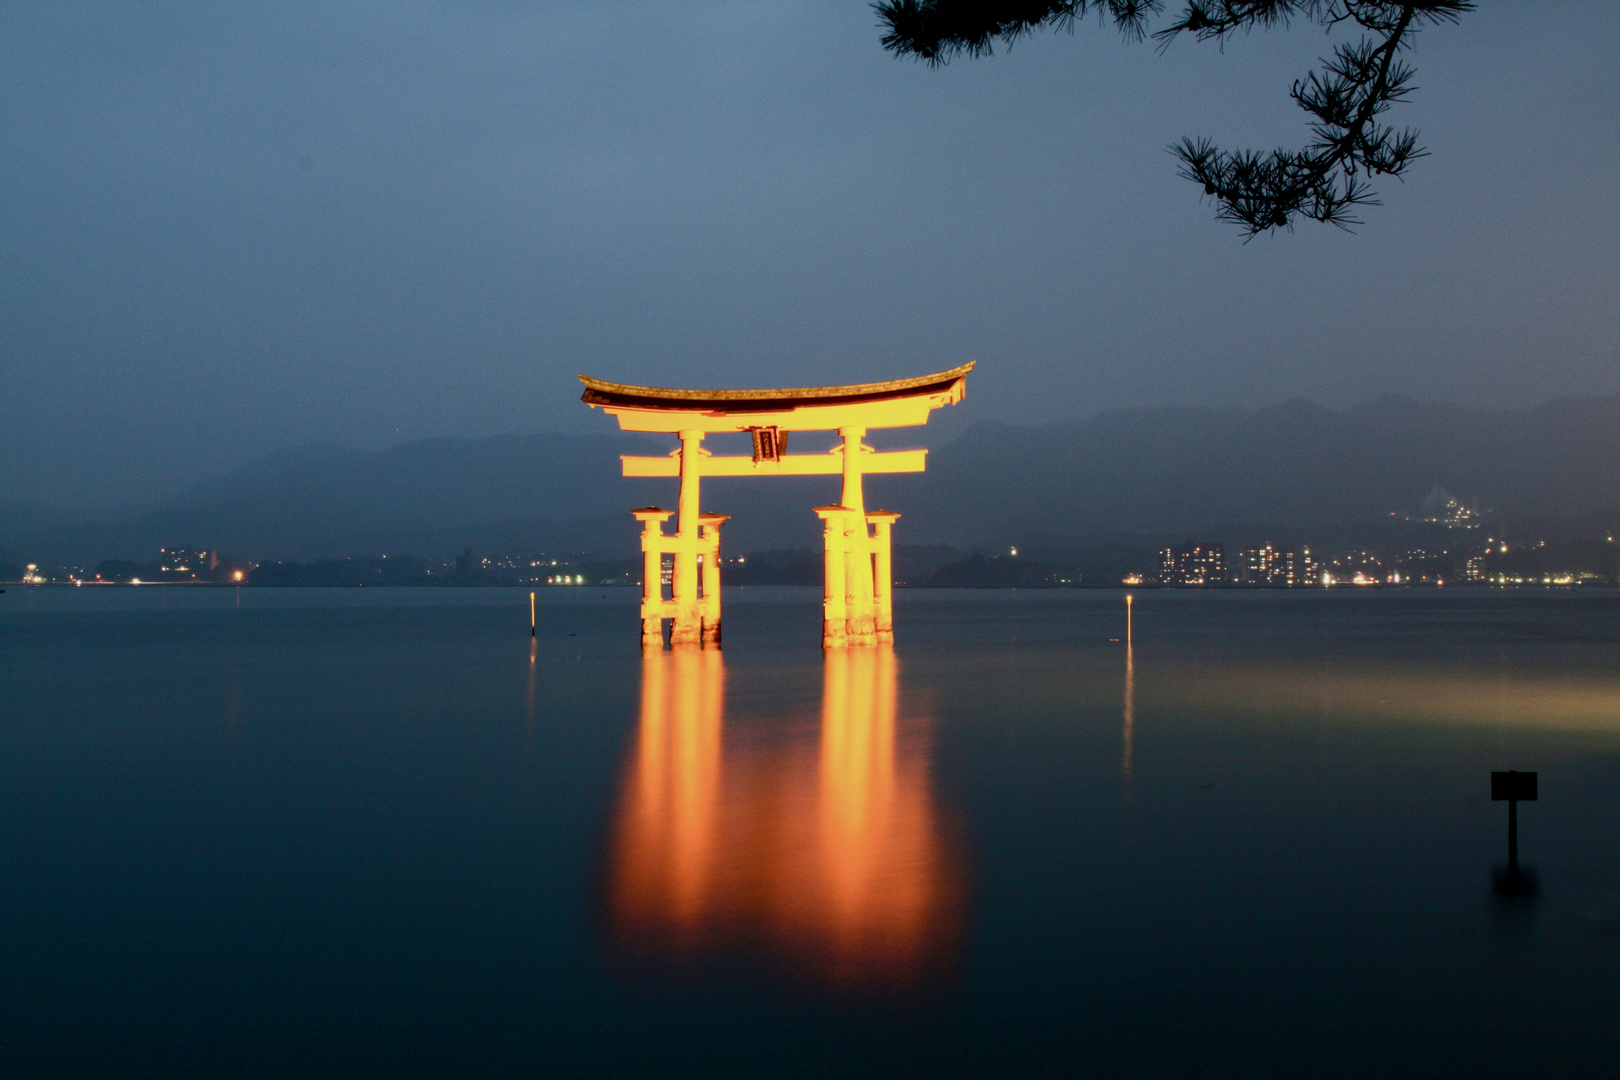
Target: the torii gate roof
pixel 897 403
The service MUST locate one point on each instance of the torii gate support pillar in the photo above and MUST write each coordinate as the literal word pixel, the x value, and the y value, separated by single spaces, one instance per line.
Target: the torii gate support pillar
pixel 709 606
pixel 697 566
pixel 882 575
pixel 653 545
pixel 834 609
pixel 860 628
pixel 688 628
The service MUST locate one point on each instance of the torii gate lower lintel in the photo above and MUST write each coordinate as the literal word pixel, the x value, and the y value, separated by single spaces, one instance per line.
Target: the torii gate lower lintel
pixel 857 607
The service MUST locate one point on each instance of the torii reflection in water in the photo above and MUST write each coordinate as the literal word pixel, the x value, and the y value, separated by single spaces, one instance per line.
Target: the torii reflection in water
pixel 818 857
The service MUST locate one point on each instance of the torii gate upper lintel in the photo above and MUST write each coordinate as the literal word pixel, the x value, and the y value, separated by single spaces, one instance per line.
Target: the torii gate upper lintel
pixel 857 606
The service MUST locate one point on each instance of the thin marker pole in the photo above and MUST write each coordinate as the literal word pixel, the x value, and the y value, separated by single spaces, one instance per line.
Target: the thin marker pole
pixel 531 614
pixel 1513 837
pixel 1127 619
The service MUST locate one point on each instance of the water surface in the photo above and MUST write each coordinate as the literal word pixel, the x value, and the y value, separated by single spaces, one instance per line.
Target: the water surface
pixel 381 832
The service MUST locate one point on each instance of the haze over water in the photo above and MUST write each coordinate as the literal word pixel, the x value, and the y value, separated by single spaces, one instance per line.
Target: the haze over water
pixel 376 832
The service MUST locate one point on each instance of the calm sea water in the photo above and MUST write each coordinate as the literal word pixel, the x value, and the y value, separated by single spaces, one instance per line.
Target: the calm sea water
pixel 379 833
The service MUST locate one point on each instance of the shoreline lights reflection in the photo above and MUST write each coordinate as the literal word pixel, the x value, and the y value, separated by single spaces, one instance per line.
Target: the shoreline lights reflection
pixel 821 858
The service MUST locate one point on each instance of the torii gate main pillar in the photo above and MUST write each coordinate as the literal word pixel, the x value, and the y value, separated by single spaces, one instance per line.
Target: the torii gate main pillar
pixel 858 586
pixel 858 602
pixel 695 615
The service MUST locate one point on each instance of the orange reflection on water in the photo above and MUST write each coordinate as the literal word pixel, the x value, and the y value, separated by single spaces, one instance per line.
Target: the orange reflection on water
pixel 820 853
pixel 1128 738
pixel 665 847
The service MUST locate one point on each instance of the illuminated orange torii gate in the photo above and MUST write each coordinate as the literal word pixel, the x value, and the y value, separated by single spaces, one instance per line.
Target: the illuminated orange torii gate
pixel 858 607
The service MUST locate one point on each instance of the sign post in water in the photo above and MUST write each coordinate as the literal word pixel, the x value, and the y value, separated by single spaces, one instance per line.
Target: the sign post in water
pixel 1513 787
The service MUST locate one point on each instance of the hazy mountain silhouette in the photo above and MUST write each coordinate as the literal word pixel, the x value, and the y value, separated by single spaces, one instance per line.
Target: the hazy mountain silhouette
pixel 429 495
pixel 1294 465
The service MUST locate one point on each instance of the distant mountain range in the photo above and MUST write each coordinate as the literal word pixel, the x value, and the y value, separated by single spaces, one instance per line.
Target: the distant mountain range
pixel 1295 466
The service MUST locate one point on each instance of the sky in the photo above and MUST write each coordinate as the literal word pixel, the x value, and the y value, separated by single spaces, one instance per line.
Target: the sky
pixel 231 228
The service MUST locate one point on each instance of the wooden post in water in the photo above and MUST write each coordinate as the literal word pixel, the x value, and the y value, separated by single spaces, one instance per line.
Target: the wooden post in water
pixel 531 614
pixel 1513 837
pixel 653 542
pixel 1127 620
pixel 860 627
pixel 834 607
pixel 709 604
pixel 883 574
pixel 688 628
pixel 1510 787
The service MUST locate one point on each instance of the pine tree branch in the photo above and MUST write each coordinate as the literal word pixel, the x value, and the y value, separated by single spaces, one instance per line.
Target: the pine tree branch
pixel 1325 181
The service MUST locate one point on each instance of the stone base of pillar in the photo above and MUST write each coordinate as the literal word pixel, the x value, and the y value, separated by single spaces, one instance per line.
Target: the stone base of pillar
pixel 711 631
pixel 833 633
pixel 687 630
pixel 883 632
pixel 861 631
pixel 652 634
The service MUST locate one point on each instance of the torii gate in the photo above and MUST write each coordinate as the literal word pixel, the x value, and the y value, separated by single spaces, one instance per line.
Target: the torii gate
pixel 858 605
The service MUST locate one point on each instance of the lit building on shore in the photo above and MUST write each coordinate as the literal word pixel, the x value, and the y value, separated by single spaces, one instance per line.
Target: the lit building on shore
pixel 181 560
pixel 1268 565
pixel 1193 564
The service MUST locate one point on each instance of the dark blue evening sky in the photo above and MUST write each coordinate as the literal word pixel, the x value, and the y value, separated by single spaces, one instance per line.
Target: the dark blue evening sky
pixel 229 228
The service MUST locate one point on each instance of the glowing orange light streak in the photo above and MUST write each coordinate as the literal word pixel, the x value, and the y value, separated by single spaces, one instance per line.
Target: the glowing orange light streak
pixel 820 856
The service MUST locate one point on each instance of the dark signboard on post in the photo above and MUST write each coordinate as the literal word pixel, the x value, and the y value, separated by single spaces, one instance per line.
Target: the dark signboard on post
pixel 1513 786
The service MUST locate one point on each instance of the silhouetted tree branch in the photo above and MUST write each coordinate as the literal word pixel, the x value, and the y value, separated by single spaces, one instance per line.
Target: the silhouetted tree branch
pixel 1325 181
